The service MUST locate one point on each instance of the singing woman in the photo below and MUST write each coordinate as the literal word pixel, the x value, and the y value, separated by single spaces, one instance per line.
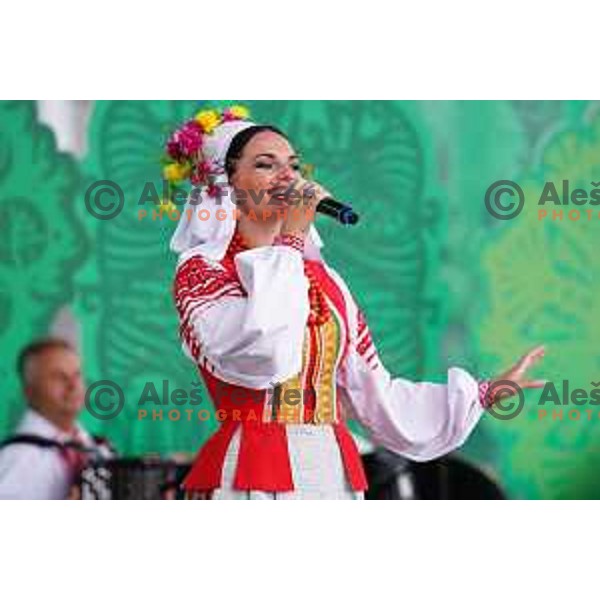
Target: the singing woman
pixel 283 347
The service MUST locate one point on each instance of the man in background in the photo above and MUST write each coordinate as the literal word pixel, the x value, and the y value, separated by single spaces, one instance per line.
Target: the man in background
pixel 46 454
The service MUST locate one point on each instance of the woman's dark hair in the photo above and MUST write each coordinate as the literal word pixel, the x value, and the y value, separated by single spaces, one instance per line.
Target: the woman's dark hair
pixel 239 141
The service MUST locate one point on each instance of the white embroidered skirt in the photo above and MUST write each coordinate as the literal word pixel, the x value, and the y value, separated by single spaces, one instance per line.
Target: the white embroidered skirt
pixel 317 468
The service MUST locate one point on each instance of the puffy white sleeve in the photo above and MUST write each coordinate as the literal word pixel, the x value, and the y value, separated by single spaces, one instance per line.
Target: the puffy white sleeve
pixel 417 419
pixel 245 324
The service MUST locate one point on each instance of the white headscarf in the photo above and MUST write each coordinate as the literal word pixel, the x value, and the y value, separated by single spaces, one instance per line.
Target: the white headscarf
pixel 212 236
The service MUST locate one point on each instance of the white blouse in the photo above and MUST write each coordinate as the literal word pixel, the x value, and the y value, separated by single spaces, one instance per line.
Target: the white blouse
pixel 256 341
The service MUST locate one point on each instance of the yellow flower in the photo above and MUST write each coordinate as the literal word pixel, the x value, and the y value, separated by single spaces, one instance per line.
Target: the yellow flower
pixel 176 172
pixel 208 120
pixel 239 111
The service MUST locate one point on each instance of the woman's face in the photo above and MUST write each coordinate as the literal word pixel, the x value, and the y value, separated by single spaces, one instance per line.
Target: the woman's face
pixel 267 167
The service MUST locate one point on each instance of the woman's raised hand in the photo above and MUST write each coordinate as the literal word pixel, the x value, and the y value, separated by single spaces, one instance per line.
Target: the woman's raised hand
pixel 517 375
pixel 303 198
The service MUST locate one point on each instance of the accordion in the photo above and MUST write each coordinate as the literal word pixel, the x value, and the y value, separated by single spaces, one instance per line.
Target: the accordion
pixel 132 479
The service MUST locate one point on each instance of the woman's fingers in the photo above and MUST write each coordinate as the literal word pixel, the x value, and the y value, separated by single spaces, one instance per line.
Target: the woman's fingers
pixel 312 192
pixel 527 362
pixel 517 374
pixel 532 357
pixel 534 383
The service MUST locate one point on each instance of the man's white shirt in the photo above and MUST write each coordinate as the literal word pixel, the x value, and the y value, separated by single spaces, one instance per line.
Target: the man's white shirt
pixel 33 472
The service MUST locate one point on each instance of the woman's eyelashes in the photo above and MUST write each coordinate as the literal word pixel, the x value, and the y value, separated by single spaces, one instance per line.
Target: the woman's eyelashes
pixel 271 166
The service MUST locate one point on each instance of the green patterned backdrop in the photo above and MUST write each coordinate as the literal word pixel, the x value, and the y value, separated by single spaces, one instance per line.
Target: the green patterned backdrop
pixel 441 282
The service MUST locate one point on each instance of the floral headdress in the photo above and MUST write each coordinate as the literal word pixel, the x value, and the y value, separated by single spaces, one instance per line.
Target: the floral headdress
pixel 186 157
pixel 196 151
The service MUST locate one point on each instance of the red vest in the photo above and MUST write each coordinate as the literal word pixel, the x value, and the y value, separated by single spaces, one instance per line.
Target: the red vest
pixel 263 460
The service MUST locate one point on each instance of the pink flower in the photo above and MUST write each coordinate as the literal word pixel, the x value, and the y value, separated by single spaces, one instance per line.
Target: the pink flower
pixel 196 179
pixel 204 168
pixel 185 141
pixel 213 190
pixel 228 116
pixel 173 149
pixel 200 173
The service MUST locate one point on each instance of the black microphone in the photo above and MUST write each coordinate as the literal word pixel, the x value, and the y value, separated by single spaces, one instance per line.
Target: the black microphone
pixel 341 212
